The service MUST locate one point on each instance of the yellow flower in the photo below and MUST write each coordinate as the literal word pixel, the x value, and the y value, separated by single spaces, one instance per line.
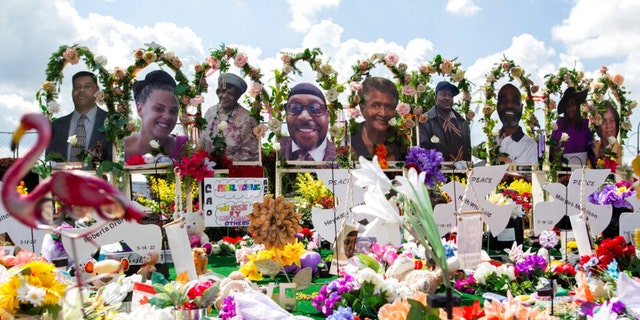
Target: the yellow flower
pixel 9 294
pixel 520 185
pixel 250 271
pixel 42 275
pixel 572 246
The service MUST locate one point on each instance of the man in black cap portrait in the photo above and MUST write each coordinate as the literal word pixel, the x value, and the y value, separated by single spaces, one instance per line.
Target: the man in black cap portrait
pixel 307 124
pixel 230 121
pixel 445 130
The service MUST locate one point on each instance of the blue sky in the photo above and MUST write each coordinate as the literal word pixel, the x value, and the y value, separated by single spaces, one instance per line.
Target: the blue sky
pixel 540 35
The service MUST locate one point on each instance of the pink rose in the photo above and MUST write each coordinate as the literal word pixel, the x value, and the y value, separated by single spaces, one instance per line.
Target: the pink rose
pixel 552 104
pixel 240 60
pixel 407 78
pixel 408 90
pixel 197 100
pixel 71 55
pixel 255 89
pixel 403 109
pixel 185 100
pixel 354 112
pixel 466 96
pixel 423 118
pixel 176 63
pixel 213 62
pixel 506 65
pixel 391 59
pixel 409 124
pixel 471 115
pixel 446 66
pixel 418 110
pixel 138 54
pixel 355 86
pixel 535 89
pixel 424 69
pixel 617 79
pixel 285 58
pixel 364 65
pixel 487 110
pixel 603 69
pixel 198 68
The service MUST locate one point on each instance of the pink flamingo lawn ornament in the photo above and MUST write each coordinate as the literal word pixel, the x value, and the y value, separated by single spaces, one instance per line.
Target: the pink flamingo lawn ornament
pixel 80 191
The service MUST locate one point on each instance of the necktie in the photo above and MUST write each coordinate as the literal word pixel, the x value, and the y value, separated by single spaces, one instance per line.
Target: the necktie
pixel 81 134
pixel 301 155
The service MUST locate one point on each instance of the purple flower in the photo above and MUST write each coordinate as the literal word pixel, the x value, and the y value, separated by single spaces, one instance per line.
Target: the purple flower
pixel 548 239
pixel 343 313
pixel 330 294
pixel 618 307
pixel 426 161
pixel 228 309
pixel 613 194
pixel 465 284
pixel 586 308
pixel 532 264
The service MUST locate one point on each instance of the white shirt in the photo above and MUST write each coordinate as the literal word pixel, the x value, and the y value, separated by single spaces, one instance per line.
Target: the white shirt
pixel 88 126
pixel 520 147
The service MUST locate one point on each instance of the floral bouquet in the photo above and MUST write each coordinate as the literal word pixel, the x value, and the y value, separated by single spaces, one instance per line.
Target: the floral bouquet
pixel 29 286
pixel 196 167
pixel 182 295
pixel 427 161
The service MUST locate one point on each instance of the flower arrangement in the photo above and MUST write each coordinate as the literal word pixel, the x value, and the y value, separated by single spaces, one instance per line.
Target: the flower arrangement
pixel 29 286
pixel 182 294
pixel 196 166
pixel 614 194
pixel 427 161
pixel 312 193
pixel 286 258
pixel 608 250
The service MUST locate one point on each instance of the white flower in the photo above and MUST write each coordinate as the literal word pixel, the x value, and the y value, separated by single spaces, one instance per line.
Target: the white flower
pixel 73 140
pixel 35 296
pixel 612 140
pixel 633 104
pixel 53 107
pixel 222 125
pixel 276 146
pixel 393 122
pixel 275 125
pixel 484 269
pixel 554 126
pixel 368 275
pixel 101 60
pixel 507 270
pixel 332 94
pixel 376 204
pixel 564 137
pixel 371 176
pixel 435 139
pixel 149 158
pixel 154 144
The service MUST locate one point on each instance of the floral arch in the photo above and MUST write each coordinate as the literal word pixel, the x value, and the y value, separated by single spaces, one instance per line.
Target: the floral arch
pixel 506 68
pixel 48 93
pixel 415 94
pixel 326 78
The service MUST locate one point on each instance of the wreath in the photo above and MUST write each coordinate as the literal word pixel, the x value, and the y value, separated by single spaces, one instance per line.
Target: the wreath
pixel 327 79
pixel 415 94
pixel 572 78
pixel 189 95
pixel 611 84
pixel 48 93
pixel 220 59
pixel 509 68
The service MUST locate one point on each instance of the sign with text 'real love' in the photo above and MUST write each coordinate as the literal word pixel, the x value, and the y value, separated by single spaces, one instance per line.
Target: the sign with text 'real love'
pixel 228 201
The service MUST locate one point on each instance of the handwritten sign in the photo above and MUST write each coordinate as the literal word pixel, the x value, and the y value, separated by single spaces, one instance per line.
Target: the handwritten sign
pixel 338 182
pixel 143 239
pixel 228 201
pixel 567 200
pixel 21 235
pixel 481 182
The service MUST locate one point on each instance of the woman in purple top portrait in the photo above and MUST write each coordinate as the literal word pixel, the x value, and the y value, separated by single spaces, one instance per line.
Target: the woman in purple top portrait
pixel 575 126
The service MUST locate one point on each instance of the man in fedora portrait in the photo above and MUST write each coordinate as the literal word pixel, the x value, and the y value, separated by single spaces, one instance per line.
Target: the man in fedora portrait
pixel 446 130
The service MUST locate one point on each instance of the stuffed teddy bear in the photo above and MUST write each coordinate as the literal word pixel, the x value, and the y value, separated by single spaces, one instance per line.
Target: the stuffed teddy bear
pixel 426 281
pixel 200 259
pixel 194 222
pixel 235 282
pixel 106 271
pixel 148 266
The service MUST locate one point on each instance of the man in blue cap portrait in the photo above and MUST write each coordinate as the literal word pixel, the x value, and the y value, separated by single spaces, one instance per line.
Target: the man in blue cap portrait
pixel 229 120
pixel 445 130
pixel 307 123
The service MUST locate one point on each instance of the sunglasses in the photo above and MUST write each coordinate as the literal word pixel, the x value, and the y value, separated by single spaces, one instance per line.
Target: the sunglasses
pixel 295 109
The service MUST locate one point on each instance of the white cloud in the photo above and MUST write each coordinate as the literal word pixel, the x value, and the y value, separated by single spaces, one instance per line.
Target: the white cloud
pixel 462 7
pixel 596 29
pixel 303 12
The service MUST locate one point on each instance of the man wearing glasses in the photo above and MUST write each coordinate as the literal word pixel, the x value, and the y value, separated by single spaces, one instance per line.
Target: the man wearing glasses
pixel 307 124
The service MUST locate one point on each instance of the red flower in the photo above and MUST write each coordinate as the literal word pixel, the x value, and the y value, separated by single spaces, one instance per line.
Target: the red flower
pixel 232 240
pixel 135 159
pixel 471 312
pixel 196 166
pixel 198 290
pixel 306 232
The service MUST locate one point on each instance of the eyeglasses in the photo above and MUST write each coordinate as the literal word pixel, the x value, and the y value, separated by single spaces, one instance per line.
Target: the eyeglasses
pixel 295 109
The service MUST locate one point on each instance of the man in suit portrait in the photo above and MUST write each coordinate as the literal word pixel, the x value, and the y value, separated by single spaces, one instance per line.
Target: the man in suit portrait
pixel 307 123
pixel 84 122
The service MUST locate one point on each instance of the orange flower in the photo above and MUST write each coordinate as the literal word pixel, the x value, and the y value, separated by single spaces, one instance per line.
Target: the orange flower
pixel 381 152
pixel 398 310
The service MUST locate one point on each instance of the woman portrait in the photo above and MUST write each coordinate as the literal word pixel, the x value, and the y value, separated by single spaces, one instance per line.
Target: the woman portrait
pixel 607 131
pixel 157 106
